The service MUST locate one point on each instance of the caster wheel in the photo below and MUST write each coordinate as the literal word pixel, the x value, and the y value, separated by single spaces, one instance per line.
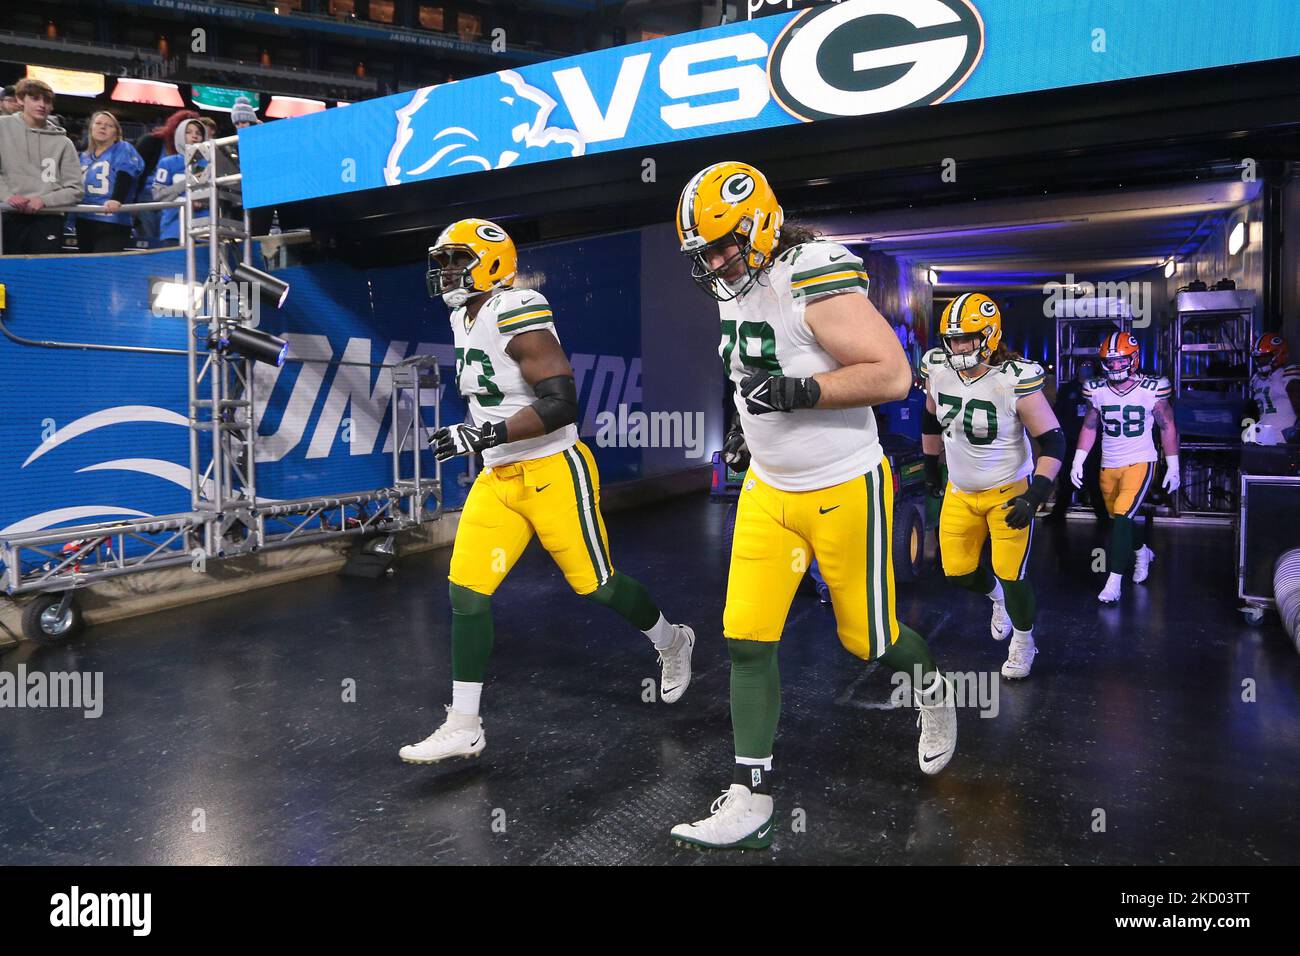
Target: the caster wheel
pixel 1253 615
pixel 48 620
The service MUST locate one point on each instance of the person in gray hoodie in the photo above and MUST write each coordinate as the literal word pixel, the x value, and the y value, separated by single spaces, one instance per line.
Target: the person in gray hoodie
pixel 39 172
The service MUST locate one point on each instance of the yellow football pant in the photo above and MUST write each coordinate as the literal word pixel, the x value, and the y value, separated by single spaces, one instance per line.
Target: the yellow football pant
pixel 968 519
pixel 846 527
pixel 558 498
pixel 1125 488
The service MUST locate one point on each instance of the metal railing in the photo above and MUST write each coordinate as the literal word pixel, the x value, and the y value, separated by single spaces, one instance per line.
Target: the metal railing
pixel 6 209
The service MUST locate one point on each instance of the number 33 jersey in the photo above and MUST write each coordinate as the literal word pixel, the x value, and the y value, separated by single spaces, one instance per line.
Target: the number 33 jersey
pixel 985 442
pixel 491 382
pixel 810 448
pixel 1127 423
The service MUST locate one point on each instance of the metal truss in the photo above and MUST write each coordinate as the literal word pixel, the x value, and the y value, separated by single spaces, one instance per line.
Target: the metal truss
pixel 226 517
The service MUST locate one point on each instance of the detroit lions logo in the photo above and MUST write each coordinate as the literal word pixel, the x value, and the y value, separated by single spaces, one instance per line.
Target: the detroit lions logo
pixel 424 149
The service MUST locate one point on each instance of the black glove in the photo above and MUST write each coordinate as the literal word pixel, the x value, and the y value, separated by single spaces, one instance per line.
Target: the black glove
pixel 735 452
pixel 1022 508
pixel 765 393
pixel 466 439
pixel 933 480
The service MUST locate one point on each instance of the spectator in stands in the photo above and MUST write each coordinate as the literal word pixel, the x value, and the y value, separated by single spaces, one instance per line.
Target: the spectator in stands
pixel 8 102
pixel 243 115
pixel 169 178
pixel 152 147
pixel 112 176
pixel 210 125
pixel 39 173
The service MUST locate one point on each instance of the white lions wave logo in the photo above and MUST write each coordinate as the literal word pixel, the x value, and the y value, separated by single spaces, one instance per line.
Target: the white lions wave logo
pixel 424 148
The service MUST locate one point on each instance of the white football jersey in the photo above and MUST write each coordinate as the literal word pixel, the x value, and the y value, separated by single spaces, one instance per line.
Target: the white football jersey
pixel 1276 413
pixel 810 448
pixel 490 380
pixel 984 440
pixel 1127 425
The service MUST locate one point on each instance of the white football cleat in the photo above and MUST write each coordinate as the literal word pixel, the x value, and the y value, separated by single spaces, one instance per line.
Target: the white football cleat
pixel 1000 625
pixel 461 735
pixel 1142 559
pixel 740 820
pixel 676 660
pixel 1020 656
pixel 938 722
pixel 1111 592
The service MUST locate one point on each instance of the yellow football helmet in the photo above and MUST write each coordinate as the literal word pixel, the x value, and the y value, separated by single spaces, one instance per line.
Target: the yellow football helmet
pixel 470 257
pixel 971 314
pixel 724 204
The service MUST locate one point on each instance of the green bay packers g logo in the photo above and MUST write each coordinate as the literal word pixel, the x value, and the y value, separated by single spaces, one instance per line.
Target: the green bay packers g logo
pixel 737 187
pixel 872 56
pixel 490 232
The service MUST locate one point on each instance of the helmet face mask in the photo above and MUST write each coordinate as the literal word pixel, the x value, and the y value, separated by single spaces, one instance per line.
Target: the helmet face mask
pixel 1118 368
pixel 448 276
pixel 964 359
pixel 733 276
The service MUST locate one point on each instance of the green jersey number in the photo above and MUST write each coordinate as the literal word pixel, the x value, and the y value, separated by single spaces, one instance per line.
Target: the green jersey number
pixel 952 407
pixel 744 336
pixel 488 393
pixel 1131 420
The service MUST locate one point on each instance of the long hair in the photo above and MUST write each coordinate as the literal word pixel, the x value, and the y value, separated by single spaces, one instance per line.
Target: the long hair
pixel 90 143
pixel 792 234
pixel 1003 354
pixel 167 131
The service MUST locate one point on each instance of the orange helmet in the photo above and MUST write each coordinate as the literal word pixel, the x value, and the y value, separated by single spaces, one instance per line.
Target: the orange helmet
pixel 1270 352
pixel 1120 356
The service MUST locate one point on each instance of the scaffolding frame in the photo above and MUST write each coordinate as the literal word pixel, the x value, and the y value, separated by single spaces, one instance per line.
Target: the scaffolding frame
pixel 226 516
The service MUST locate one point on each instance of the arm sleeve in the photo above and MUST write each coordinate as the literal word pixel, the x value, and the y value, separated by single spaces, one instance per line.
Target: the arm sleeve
pixel 122 185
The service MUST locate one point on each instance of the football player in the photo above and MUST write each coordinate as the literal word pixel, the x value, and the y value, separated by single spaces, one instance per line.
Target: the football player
pixel 982 402
pixel 538 478
pixel 809 355
pixel 1127 406
pixel 1274 392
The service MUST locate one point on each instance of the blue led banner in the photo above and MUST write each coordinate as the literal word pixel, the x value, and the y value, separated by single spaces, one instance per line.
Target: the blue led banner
pixel 852 58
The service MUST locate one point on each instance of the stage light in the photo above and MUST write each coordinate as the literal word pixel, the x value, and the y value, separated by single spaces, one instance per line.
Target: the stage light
pixel 1237 238
pixel 167 296
pixel 1170 268
pixel 270 290
pixel 251 344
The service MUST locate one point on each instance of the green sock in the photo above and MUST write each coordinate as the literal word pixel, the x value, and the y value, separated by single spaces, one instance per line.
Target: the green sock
pixel 1021 603
pixel 471 634
pixel 980 580
pixel 629 598
pixel 1139 534
pixel 755 696
pixel 911 655
pixel 1121 545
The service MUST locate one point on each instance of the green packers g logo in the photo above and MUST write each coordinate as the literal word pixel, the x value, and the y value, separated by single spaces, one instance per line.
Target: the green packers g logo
pixel 490 233
pixel 871 56
pixel 737 187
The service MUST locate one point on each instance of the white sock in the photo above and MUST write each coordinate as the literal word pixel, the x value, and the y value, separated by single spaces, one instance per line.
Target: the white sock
pixel 1023 635
pixel 1115 579
pixel 764 762
pixel 661 634
pixel 465 697
pixel 996 594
